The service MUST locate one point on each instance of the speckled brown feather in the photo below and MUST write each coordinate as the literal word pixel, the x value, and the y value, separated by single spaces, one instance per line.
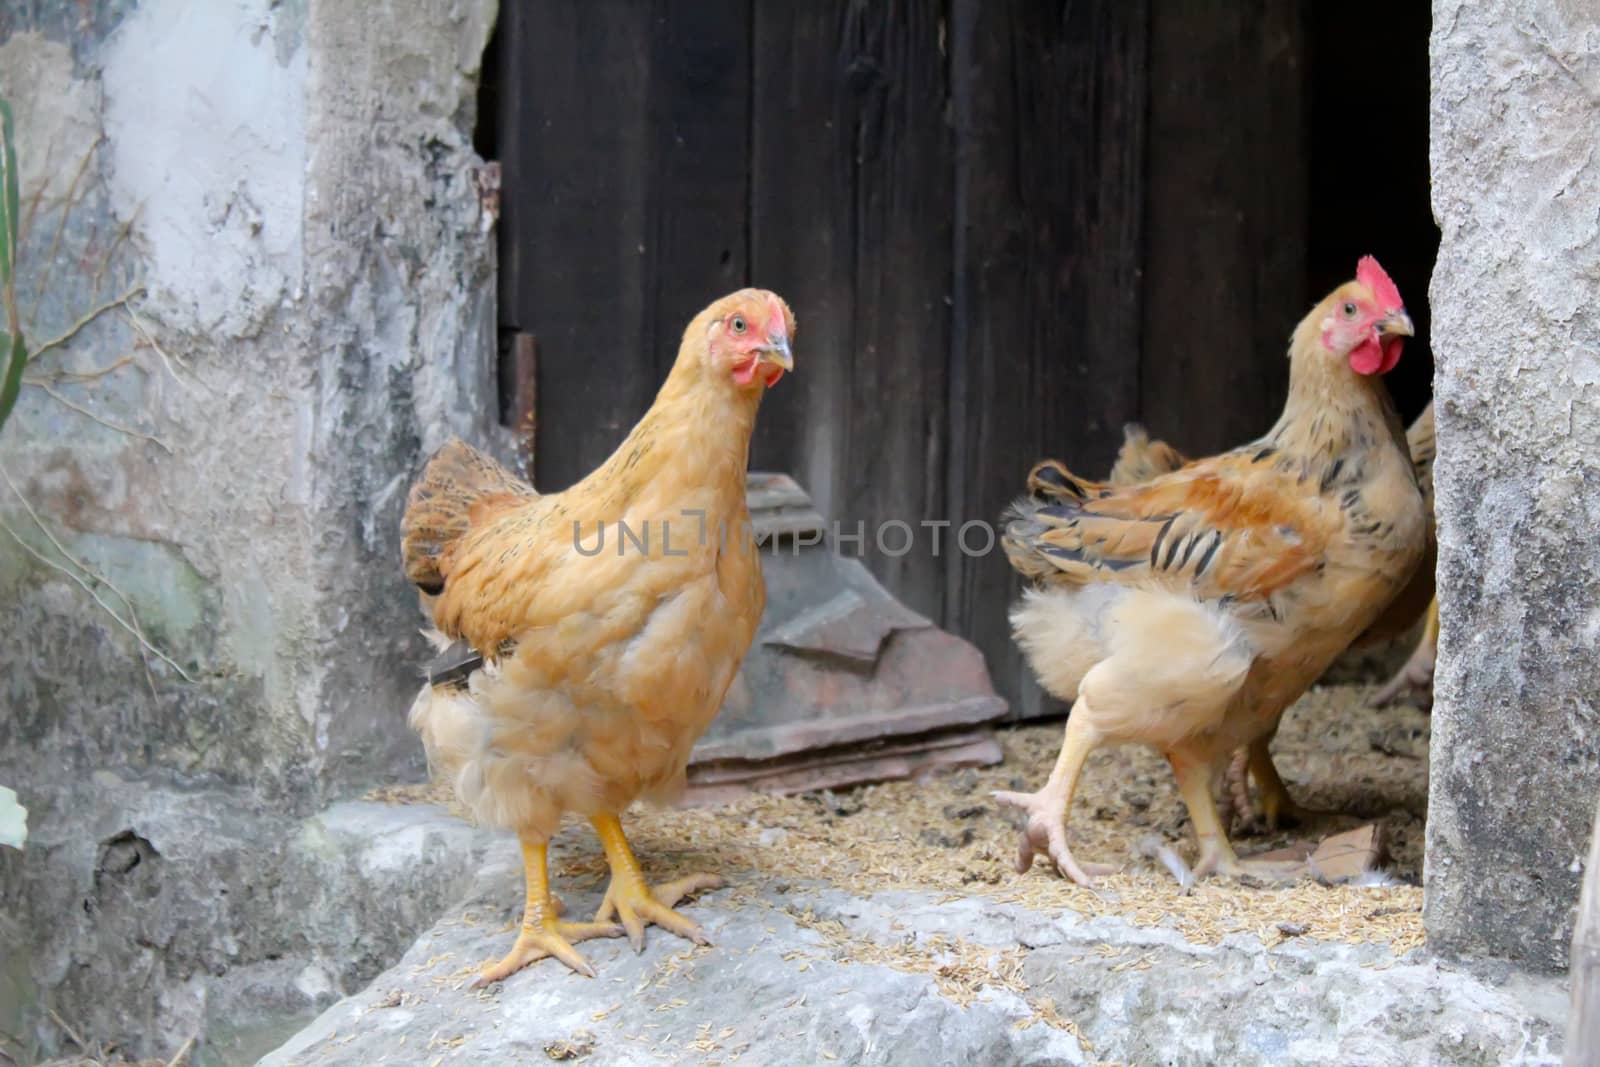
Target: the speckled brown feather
pixel 1231 527
pixel 1420 440
pixel 1142 458
pixel 1188 611
pixel 1411 602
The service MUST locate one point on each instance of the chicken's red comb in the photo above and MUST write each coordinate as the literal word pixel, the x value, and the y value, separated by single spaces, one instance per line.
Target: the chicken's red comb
pixel 1374 277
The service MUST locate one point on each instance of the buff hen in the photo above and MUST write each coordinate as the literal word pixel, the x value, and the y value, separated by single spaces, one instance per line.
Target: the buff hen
pixel 597 629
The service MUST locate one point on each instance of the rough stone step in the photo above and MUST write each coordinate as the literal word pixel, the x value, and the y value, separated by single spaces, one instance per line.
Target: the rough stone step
pixel 808 975
pixel 195 914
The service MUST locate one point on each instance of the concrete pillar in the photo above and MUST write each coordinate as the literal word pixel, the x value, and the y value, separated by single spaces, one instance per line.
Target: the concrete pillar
pixel 1516 336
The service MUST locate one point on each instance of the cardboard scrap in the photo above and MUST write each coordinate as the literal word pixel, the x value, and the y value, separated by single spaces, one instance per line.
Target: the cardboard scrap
pixel 1349 855
pixel 1338 858
pixel 1295 852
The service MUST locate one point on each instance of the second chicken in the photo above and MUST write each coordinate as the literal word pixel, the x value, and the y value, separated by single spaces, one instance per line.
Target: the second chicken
pixel 1188 611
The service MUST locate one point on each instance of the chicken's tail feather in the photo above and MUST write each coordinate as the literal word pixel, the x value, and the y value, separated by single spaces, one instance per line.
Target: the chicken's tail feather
pixel 1054 499
pixel 1023 524
pixel 1018 529
pixel 454 487
pixel 1050 480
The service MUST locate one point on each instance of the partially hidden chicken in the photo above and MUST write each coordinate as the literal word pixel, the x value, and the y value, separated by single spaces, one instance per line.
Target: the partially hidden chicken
pixel 1188 611
pixel 1414 680
pixel 1142 457
pixel 596 630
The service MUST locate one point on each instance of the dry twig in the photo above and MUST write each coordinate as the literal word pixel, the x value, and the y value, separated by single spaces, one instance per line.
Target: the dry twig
pixel 61 225
pixel 182 1053
pixel 149 338
pixel 83 320
pixel 69 1031
pixel 131 624
pixel 74 377
pixel 107 423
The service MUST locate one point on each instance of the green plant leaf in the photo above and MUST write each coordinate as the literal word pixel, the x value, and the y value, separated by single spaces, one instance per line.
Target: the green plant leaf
pixel 13 819
pixel 11 384
pixel 8 198
pixel 13 352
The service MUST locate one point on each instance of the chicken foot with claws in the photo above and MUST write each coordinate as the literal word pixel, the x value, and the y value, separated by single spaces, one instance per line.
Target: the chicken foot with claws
pixel 1216 852
pixel 541 934
pixel 1277 808
pixel 633 903
pixel 1046 829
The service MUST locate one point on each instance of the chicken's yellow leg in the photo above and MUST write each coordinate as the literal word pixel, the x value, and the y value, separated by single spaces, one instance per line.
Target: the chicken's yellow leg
pixel 633 902
pixel 1277 806
pixel 541 935
pixel 1276 803
pixel 1415 679
pixel 1216 854
pixel 1046 828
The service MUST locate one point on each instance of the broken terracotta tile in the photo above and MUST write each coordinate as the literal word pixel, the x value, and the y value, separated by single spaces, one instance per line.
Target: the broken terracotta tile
pixel 843 684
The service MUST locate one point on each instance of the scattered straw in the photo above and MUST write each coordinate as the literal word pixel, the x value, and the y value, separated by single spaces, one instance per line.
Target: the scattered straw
pixel 182 1055
pixel 575 1047
pixel 915 836
pixel 1044 1011
pixel 960 969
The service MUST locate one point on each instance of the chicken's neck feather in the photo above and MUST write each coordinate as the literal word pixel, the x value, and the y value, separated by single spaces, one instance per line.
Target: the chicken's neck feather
pixel 1332 411
pixel 696 431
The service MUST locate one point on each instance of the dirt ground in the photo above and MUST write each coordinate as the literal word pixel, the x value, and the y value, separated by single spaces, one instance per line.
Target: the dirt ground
pixel 947 835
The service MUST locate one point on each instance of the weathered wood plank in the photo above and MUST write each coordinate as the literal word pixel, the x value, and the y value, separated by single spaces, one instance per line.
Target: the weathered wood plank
pixel 799 241
pixel 1049 104
pixel 853 178
pixel 1225 227
pixel 624 144
pixel 574 144
pixel 1395 214
pixel 697 244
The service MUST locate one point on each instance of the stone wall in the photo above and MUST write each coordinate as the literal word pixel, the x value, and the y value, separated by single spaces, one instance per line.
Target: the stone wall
pixel 290 191
pixel 1516 336
pixel 256 225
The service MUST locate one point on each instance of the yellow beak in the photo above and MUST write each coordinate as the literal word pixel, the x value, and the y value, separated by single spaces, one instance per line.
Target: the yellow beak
pixel 776 352
pixel 1396 324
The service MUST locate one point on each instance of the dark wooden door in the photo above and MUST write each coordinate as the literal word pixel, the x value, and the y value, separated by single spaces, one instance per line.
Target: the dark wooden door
pixel 989 258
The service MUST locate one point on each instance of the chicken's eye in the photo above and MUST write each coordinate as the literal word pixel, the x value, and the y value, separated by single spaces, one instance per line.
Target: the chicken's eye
pixel 1350 310
pixel 737 323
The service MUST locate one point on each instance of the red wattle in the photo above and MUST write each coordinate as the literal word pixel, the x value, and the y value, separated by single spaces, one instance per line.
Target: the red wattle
pixel 1391 355
pixel 1367 357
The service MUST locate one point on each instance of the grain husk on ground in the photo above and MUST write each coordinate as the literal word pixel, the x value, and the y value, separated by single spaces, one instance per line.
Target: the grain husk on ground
pixel 947 836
